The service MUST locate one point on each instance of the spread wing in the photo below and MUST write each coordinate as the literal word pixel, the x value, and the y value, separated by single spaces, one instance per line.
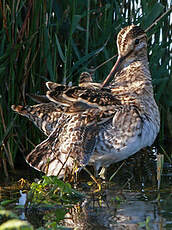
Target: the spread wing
pixel 45 115
pixel 68 147
pixel 71 119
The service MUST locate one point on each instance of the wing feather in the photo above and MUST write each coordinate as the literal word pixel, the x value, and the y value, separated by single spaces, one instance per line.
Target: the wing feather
pixel 71 144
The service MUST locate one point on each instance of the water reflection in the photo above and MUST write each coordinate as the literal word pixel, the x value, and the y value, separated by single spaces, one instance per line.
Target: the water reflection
pixel 107 213
pixel 130 201
pixel 21 202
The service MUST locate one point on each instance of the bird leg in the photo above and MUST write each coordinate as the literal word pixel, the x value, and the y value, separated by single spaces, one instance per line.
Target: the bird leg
pixel 94 179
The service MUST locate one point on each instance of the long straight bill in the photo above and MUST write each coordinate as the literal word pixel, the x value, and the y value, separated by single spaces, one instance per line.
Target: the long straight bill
pixel 112 72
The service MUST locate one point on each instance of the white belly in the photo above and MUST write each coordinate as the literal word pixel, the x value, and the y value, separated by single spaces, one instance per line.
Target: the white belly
pixel 109 150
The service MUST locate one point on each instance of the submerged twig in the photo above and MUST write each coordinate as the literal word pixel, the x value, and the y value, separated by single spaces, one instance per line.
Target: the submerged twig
pixel 160 163
pixel 116 171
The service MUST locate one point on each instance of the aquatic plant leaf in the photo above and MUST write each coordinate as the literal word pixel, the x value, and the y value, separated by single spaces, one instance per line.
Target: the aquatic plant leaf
pixel 60 213
pixel 6 202
pixel 51 189
pixel 145 223
pixel 7 214
pixel 16 224
pixel 64 186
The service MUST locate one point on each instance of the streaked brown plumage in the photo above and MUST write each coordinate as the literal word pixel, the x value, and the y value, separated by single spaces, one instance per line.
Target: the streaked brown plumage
pixel 98 124
pixel 136 124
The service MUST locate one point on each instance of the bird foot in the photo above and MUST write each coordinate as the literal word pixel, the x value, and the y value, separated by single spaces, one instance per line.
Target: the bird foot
pixel 98 183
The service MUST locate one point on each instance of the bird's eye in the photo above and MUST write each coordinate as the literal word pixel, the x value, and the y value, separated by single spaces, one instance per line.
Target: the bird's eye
pixel 137 41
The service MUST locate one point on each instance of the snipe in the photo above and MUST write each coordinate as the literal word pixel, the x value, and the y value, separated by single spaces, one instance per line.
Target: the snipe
pixel 98 124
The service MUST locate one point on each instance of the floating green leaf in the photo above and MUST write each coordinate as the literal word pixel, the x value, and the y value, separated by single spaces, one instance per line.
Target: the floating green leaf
pixel 16 224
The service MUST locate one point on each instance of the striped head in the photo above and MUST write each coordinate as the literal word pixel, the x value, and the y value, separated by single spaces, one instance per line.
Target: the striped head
pixel 132 40
pixel 132 46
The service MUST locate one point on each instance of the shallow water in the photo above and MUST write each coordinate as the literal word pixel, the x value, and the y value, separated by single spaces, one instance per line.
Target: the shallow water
pixel 130 201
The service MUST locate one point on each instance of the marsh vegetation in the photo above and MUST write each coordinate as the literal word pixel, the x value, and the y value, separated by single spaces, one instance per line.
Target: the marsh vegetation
pixel 56 41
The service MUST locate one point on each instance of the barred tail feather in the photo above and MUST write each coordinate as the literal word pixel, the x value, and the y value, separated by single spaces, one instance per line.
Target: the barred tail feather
pixel 19 109
pixel 45 116
pixel 49 160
